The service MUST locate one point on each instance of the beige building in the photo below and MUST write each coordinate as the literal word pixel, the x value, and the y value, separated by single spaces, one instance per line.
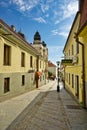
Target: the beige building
pixel 19 62
pixel 52 68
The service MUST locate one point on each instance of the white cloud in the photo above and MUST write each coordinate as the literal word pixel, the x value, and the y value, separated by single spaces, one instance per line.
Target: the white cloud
pixel 57 21
pixel 20 3
pixel 54 32
pixel 62 31
pixel 40 20
pixel 44 7
pixel 56 11
pixel 25 5
pixel 69 9
pixel 64 34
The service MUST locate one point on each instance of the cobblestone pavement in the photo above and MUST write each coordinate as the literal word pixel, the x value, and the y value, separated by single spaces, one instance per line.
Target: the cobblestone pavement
pixel 46 112
pixel 11 108
pixel 43 109
pixel 76 115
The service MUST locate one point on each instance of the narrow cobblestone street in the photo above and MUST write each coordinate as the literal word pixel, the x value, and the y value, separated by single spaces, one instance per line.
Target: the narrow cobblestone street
pixel 45 113
pixel 49 110
pixel 43 64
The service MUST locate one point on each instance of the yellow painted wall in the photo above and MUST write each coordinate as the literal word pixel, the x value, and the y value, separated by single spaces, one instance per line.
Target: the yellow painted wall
pixel 76 68
pixel 15 59
pixel 85 51
pixel 20 78
pixel 76 71
pixel 83 39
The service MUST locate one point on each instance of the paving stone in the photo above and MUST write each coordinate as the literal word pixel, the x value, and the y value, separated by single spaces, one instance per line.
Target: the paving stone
pixel 49 110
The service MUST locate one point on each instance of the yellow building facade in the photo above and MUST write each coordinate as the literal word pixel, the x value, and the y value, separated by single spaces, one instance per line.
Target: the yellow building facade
pixel 81 39
pixel 72 62
pixel 19 61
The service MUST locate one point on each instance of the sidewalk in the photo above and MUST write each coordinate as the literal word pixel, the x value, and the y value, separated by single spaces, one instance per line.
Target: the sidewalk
pixel 11 108
pixel 77 116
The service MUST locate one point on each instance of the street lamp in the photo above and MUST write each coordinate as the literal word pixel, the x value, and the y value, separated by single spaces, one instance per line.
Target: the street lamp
pixel 58 87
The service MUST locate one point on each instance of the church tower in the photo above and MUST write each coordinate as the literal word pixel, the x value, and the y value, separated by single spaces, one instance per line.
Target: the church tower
pixel 37 36
pixel 42 49
pixel 37 43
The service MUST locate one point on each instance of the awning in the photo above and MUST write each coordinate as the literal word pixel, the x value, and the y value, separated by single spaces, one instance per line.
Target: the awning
pixel 38 73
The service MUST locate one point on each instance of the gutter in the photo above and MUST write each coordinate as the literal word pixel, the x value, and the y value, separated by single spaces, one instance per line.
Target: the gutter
pixel 83 70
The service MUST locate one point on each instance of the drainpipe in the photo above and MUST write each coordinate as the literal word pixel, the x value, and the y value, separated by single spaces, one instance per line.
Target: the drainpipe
pixel 83 71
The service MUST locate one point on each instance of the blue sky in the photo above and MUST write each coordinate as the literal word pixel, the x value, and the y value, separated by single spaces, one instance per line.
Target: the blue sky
pixel 52 18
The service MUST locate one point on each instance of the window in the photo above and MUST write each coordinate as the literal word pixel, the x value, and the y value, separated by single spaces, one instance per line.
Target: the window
pixel 23 80
pixel 7 55
pixel 77 86
pixel 77 48
pixel 22 59
pixel 69 53
pixel 72 50
pixel 36 63
pixel 72 80
pixel 6 84
pixel 31 61
pixel 69 78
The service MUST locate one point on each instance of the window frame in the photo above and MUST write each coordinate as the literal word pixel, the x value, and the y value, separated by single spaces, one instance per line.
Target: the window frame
pixel 23 80
pixel 31 61
pixel 7 55
pixel 22 59
pixel 72 80
pixel 6 85
pixel 77 48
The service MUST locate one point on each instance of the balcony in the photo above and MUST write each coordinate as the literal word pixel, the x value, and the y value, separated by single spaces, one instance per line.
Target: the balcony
pixel 67 62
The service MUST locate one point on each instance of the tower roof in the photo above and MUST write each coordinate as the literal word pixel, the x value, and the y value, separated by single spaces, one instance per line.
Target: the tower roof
pixel 37 36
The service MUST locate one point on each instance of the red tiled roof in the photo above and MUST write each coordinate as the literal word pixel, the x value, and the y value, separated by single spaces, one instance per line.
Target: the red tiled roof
pixel 50 64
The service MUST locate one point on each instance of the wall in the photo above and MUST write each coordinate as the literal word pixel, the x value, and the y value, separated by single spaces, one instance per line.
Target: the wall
pixel 74 85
